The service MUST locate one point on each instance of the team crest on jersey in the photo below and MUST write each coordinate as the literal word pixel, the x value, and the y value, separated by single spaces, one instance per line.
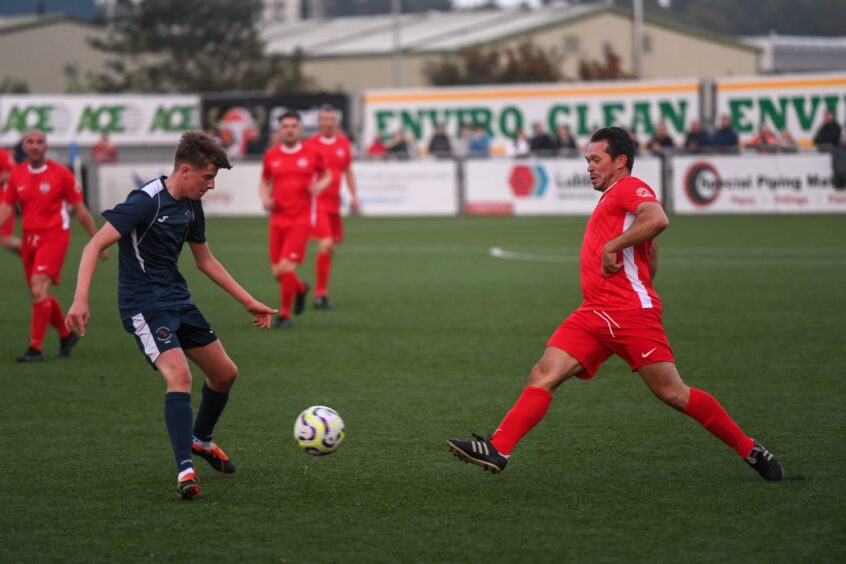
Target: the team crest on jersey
pixel 44 187
pixel 340 153
pixel 164 334
pixel 302 163
pixel 643 192
pixel 189 216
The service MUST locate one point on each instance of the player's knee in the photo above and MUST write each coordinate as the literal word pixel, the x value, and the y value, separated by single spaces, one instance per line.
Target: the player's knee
pixel 179 381
pixel 326 246
pixel 674 395
pixel 542 377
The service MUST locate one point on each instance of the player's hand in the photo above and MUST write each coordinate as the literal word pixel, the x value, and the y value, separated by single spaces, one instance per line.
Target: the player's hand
pixel 104 254
pixel 269 205
pixel 262 315
pixel 12 244
pixel 610 264
pixel 355 205
pixel 77 317
pixel 315 189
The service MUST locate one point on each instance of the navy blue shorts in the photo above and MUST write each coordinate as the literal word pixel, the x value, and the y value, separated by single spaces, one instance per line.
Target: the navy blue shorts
pixel 161 330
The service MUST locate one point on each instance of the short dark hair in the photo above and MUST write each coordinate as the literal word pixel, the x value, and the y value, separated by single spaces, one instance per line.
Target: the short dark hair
pixel 291 114
pixel 618 141
pixel 198 149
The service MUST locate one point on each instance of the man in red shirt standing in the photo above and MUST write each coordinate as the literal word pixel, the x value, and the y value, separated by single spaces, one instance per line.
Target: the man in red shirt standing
pixel 620 314
pixel 293 175
pixel 335 149
pixel 7 228
pixel 42 187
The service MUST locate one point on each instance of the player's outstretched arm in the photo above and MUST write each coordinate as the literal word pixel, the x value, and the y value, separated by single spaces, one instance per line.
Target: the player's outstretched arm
pixel 322 183
pixel 650 221
pixel 84 217
pixel 265 190
pixel 78 314
pixel 211 267
pixel 352 186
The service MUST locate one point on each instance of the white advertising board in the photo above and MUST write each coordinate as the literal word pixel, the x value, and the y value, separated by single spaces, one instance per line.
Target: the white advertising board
pixel 540 186
pixel 755 184
pixel 384 188
pixel 792 102
pixel 80 118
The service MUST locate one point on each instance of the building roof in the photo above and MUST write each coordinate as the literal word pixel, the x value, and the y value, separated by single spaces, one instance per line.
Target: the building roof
pixel 420 32
pixel 792 53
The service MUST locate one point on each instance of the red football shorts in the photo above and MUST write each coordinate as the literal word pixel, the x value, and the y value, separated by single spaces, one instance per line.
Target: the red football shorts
pixel 328 225
pixel 288 240
pixel 591 336
pixel 8 228
pixel 44 253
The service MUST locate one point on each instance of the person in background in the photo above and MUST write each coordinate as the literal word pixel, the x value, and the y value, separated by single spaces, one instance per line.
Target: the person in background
pixel 829 134
pixel 399 148
pixel 725 138
pixel 462 143
pixel 696 140
pixel 565 142
pixel 786 142
pixel 765 141
pixel 440 145
pixel 661 140
pixel 104 151
pixel 479 144
pixel 377 148
pixel 519 146
pixel 7 229
pixel 634 140
pixel 541 143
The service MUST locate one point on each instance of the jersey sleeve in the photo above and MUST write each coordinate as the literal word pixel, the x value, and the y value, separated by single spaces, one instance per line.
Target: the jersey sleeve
pixel 139 210
pixel 70 187
pixel 197 231
pixel 265 166
pixel 348 157
pixel 635 193
pixel 10 194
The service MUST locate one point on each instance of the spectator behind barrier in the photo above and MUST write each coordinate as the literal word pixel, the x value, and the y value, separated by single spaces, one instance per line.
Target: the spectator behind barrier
pixel 462 143
pixel 377 148
pixel 697 139
pixel 725 138
pixel 399 148
pixel 564 141
pixel 519 146
pixel 829 134
pixel 479 144
pixel 440 145
pixel 541 143
pixel 104 151
pixel 786 142
pixel 765 141
pixel 661 140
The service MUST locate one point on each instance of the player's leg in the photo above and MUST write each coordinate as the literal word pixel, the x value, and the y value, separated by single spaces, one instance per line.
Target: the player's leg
pixel 293 290
pixel 52 253
pixel 220 374
pixel 173 365
pixel 663 379
pixel 39 292
pixel 554 367
pixel 323 266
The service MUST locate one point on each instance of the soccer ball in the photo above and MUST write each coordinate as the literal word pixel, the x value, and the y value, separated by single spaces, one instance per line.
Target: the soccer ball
pixel 319 430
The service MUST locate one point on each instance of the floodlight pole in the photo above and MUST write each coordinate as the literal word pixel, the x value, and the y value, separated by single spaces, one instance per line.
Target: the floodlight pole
pixel 396 10
pixel 637 38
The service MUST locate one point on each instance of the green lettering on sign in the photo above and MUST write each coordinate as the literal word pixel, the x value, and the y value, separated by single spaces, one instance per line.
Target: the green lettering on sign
pixel 778 116
pixel 805 118
pixel 677 117
pixel 104 118
pixel 738 117
pixel 411 121
pixel 510 121
pixel 173 119
pixel 552 119
pixel 29 117
pixel 384 119
pixel 582 127
pixel 641 120
pixel 610 111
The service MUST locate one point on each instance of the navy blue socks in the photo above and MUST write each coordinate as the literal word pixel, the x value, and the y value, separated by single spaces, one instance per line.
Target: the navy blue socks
pixel 177 412
pixel 211 406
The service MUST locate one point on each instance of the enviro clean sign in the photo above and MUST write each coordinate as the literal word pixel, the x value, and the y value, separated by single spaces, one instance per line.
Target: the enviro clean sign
pixel 793 102
pixel 504 110
pixel 129 120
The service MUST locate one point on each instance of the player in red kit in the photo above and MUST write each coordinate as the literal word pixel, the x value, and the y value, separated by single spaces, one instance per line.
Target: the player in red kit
pixel 620 314
pixel 293 175
pixel 7 229
pixel 42 188
pixel 328 229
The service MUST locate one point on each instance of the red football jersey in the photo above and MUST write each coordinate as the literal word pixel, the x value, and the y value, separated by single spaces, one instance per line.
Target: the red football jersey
pixel 337 157
pixel 291 173
pixel 42 194
pixel 631 287
pixel 7 163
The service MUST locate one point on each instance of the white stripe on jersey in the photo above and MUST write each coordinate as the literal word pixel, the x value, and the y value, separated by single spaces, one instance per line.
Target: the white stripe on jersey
pixel 134 234
pixel 630 268
pixel 142 330
pixel 153 187
pixel 65 217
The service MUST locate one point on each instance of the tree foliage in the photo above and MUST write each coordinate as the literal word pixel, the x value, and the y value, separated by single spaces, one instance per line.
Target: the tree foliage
pixel 192 46
pixel 525 62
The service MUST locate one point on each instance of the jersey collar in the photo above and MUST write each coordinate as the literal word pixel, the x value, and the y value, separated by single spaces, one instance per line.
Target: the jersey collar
pixel 327 140
pixel 38 170
pixel 292 150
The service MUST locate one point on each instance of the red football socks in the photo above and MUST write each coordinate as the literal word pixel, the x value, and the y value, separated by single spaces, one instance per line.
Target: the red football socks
pixel 289 284
pixel 703 407
pixel 526 413
pixel 40 320
pixel 324 268
pixel 57 318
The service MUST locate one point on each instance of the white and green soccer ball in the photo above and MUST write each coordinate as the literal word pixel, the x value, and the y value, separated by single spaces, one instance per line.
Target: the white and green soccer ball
pixel 319 430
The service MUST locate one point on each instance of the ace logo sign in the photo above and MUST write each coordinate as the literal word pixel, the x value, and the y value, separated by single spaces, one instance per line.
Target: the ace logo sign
pixel 137 120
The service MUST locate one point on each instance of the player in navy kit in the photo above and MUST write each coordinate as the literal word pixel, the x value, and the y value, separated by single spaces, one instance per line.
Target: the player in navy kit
pixel 152 226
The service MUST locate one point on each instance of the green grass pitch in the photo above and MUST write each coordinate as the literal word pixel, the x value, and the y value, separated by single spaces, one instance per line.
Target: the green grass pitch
pixel 432 338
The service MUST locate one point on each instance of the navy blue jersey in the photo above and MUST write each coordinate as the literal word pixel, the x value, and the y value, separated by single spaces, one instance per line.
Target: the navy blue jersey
pixel 153 228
